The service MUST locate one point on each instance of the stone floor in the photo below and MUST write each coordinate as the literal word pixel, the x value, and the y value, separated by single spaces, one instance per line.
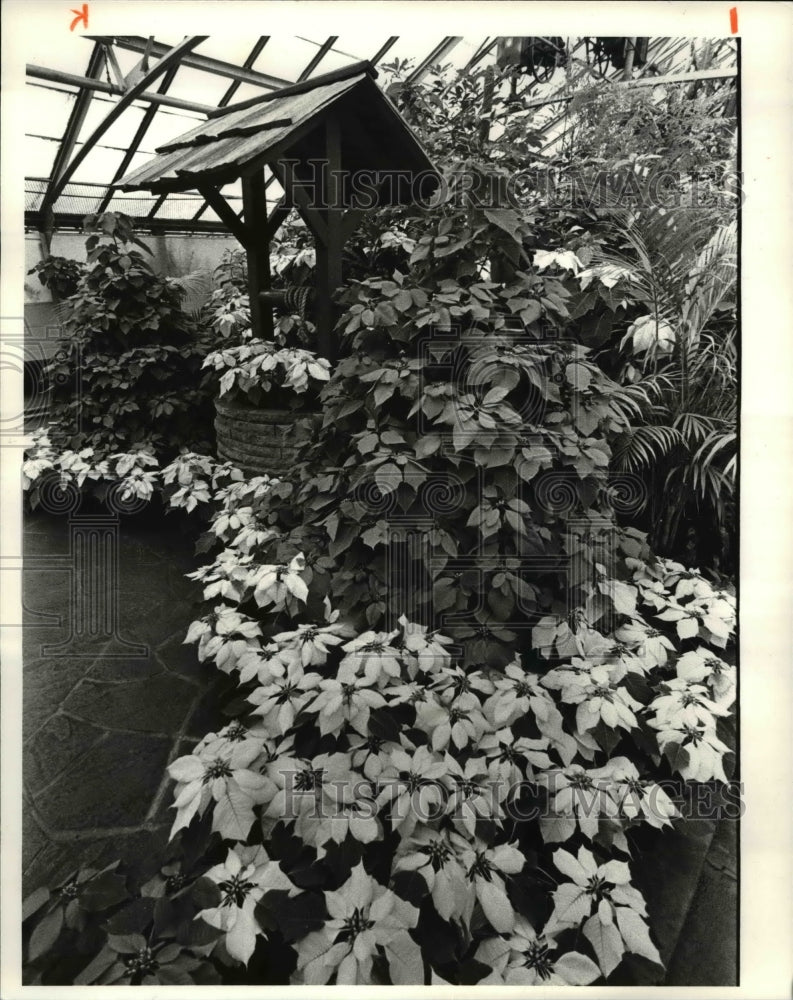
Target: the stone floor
pixel 104 718
pixel 100 728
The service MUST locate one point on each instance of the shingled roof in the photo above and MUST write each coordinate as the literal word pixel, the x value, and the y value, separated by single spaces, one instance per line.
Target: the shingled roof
pixel 287 124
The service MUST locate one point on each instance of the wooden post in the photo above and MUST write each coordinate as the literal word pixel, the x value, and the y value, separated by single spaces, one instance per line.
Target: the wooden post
pixel 254 208
pixel 329 265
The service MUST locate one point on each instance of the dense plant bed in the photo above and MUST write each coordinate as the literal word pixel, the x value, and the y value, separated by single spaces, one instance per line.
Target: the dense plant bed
pixel 377 813
pixel 467 685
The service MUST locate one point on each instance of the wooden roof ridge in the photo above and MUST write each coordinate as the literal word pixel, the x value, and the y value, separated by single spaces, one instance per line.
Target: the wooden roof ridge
pixel 354 69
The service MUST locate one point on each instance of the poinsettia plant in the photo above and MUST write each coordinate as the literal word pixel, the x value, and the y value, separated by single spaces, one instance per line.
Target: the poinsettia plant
pixel 259 370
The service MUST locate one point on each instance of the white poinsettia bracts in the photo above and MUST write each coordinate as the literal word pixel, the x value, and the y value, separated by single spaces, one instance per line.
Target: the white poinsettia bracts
pixel 486 870
pixel 273 586
pixel 700 665
pixel 221 772
pixel 364 917
pixel 601 900
pixel 429 853
pixel 525 958
pixel 242 879
pixel 280 701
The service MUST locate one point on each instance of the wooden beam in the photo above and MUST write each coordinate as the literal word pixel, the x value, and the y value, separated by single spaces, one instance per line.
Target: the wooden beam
pixel 299 198
pixel 226 214
pixel 174 56
pixel 136 43
pixel 277 217
pixel 254 206
pixel 329 263
pixel 86 83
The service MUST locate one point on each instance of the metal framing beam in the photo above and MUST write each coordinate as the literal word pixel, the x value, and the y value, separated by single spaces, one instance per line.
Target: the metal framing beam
pixel 386 47
pixel 74 220
pixel 143 128
pixel 71 132
pixel 435 56
pixel 136 43
pixel 225 100
pixel 253 55
pixel 645 81
pixel 174 57
pixel 323 50
pixel 84 82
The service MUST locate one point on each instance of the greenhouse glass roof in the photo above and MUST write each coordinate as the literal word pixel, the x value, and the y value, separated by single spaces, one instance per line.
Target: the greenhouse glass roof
pixel 76 153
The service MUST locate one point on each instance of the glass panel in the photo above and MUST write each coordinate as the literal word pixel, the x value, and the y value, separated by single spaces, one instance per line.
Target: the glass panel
pixel 39 156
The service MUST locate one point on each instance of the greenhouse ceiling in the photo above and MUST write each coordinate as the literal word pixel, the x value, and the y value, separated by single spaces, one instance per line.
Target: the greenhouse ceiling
pixel 92 123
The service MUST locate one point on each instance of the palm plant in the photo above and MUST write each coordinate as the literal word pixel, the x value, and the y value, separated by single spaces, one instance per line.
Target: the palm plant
pixel 681 358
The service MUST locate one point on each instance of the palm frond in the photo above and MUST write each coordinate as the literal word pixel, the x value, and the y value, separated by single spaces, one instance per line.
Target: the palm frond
pixel 641 448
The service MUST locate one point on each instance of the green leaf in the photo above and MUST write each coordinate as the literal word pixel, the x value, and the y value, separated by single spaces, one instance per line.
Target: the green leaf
pixel 126 944
pixel 677 756
pixel 385 314
pixel 45 934
pixel 403 300
pixel 99 964
pixel 34 902
pixel 103 892
pixel 506 219
pixel 172 975
pixel 134 917
pixel 578 375
pixel 388 477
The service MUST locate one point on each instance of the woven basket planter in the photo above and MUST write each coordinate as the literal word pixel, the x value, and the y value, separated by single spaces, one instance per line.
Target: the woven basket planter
pixel 261 441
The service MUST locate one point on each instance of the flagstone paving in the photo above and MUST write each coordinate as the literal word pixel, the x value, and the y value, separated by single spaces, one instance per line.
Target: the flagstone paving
pixel 100 729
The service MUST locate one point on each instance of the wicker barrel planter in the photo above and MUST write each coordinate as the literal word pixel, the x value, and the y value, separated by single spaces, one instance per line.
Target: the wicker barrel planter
pixel 262 441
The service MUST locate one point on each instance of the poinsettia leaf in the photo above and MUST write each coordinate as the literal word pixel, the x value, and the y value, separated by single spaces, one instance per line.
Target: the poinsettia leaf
pixel 103 892
pixel 205 893
pixel 411 886
pixel 34 902
pixel 295 916
pixel 556 829
pixel 405 961
pixel 233 815
pixel 99 964
pixel 173 975
pixel 677 756
pixel 133 917
pixel 607 942
pixel 126 944
pixel 45 933
pixel 636 934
